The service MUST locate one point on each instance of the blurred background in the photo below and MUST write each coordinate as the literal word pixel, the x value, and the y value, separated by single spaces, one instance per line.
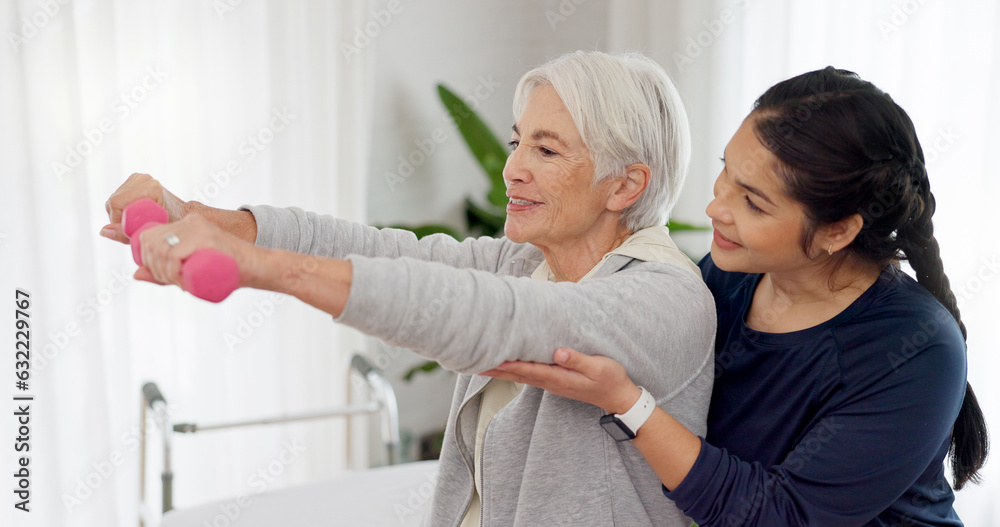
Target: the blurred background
pixel 331 106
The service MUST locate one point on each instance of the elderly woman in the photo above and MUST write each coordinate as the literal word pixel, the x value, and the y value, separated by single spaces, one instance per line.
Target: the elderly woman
pixel 600 147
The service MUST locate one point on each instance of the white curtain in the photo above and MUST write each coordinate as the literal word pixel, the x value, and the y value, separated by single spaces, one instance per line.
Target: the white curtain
pixel 227 102
pixel 939 60
pixel 245 101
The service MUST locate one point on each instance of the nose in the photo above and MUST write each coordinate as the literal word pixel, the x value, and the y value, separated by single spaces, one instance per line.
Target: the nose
pixel 717 208
pixel 516 170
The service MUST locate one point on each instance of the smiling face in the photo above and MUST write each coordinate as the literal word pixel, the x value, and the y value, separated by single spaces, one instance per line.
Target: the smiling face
pixel 758 228
pixel 549 176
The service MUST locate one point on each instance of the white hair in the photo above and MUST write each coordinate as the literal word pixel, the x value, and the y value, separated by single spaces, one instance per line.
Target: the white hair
pixel 627 111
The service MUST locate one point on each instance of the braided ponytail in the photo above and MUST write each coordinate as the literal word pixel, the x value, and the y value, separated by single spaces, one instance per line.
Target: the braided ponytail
pixel 845 146
pixel 970 438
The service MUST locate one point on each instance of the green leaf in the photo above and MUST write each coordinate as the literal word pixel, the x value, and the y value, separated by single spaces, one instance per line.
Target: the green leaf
pixel 676 226
pixel 427 230
pixel 485 146
pixel 425 367
pixel 484 221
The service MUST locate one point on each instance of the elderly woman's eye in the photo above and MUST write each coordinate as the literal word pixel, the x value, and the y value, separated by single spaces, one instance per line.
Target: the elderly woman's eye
pixel 546 151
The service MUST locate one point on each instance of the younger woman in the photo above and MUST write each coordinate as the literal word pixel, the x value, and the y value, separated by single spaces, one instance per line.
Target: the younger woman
pixel 840 381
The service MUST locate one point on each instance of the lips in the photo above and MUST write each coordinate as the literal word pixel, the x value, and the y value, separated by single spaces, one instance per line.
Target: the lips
pixel 724 243
pixel 519 203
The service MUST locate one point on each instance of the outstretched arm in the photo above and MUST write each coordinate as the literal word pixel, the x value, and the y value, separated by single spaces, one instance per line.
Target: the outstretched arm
pixel 324 283
pixel 470 320
pixel 299 231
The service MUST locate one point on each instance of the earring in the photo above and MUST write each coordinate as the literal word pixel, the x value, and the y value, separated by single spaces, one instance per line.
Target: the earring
pixel 829 250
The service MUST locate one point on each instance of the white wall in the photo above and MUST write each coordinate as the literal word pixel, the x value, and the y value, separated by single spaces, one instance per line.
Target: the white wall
pixel 468 46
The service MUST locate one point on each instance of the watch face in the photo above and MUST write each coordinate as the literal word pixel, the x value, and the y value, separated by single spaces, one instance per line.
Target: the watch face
pixel 616 429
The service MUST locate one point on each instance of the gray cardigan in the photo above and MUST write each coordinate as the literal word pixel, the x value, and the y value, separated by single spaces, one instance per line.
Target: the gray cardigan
pixel 471 305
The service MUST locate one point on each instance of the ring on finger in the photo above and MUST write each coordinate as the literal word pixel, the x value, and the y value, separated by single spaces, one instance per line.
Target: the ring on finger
pixel 171 239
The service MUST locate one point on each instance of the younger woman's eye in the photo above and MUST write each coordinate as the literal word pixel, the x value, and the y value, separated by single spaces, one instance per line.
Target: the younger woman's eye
pixel 753 207
pixel 513 144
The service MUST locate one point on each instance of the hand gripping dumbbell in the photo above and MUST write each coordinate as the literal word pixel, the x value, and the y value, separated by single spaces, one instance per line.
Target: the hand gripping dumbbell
pixel 207 274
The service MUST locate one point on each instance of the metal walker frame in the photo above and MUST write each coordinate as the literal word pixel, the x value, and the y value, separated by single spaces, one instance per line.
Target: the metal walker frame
pixel 383 402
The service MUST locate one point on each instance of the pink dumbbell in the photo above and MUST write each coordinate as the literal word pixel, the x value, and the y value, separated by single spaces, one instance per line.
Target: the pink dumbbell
pixel 207 274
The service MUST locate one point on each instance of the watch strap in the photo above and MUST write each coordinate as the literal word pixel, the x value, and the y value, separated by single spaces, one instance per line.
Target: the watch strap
pixel 640 411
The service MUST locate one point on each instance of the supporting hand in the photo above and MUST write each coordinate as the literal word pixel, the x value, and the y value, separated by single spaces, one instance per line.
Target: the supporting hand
pixel 596 380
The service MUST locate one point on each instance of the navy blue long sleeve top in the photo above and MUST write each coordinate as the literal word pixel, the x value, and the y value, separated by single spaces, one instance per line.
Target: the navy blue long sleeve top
pixel 844 423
